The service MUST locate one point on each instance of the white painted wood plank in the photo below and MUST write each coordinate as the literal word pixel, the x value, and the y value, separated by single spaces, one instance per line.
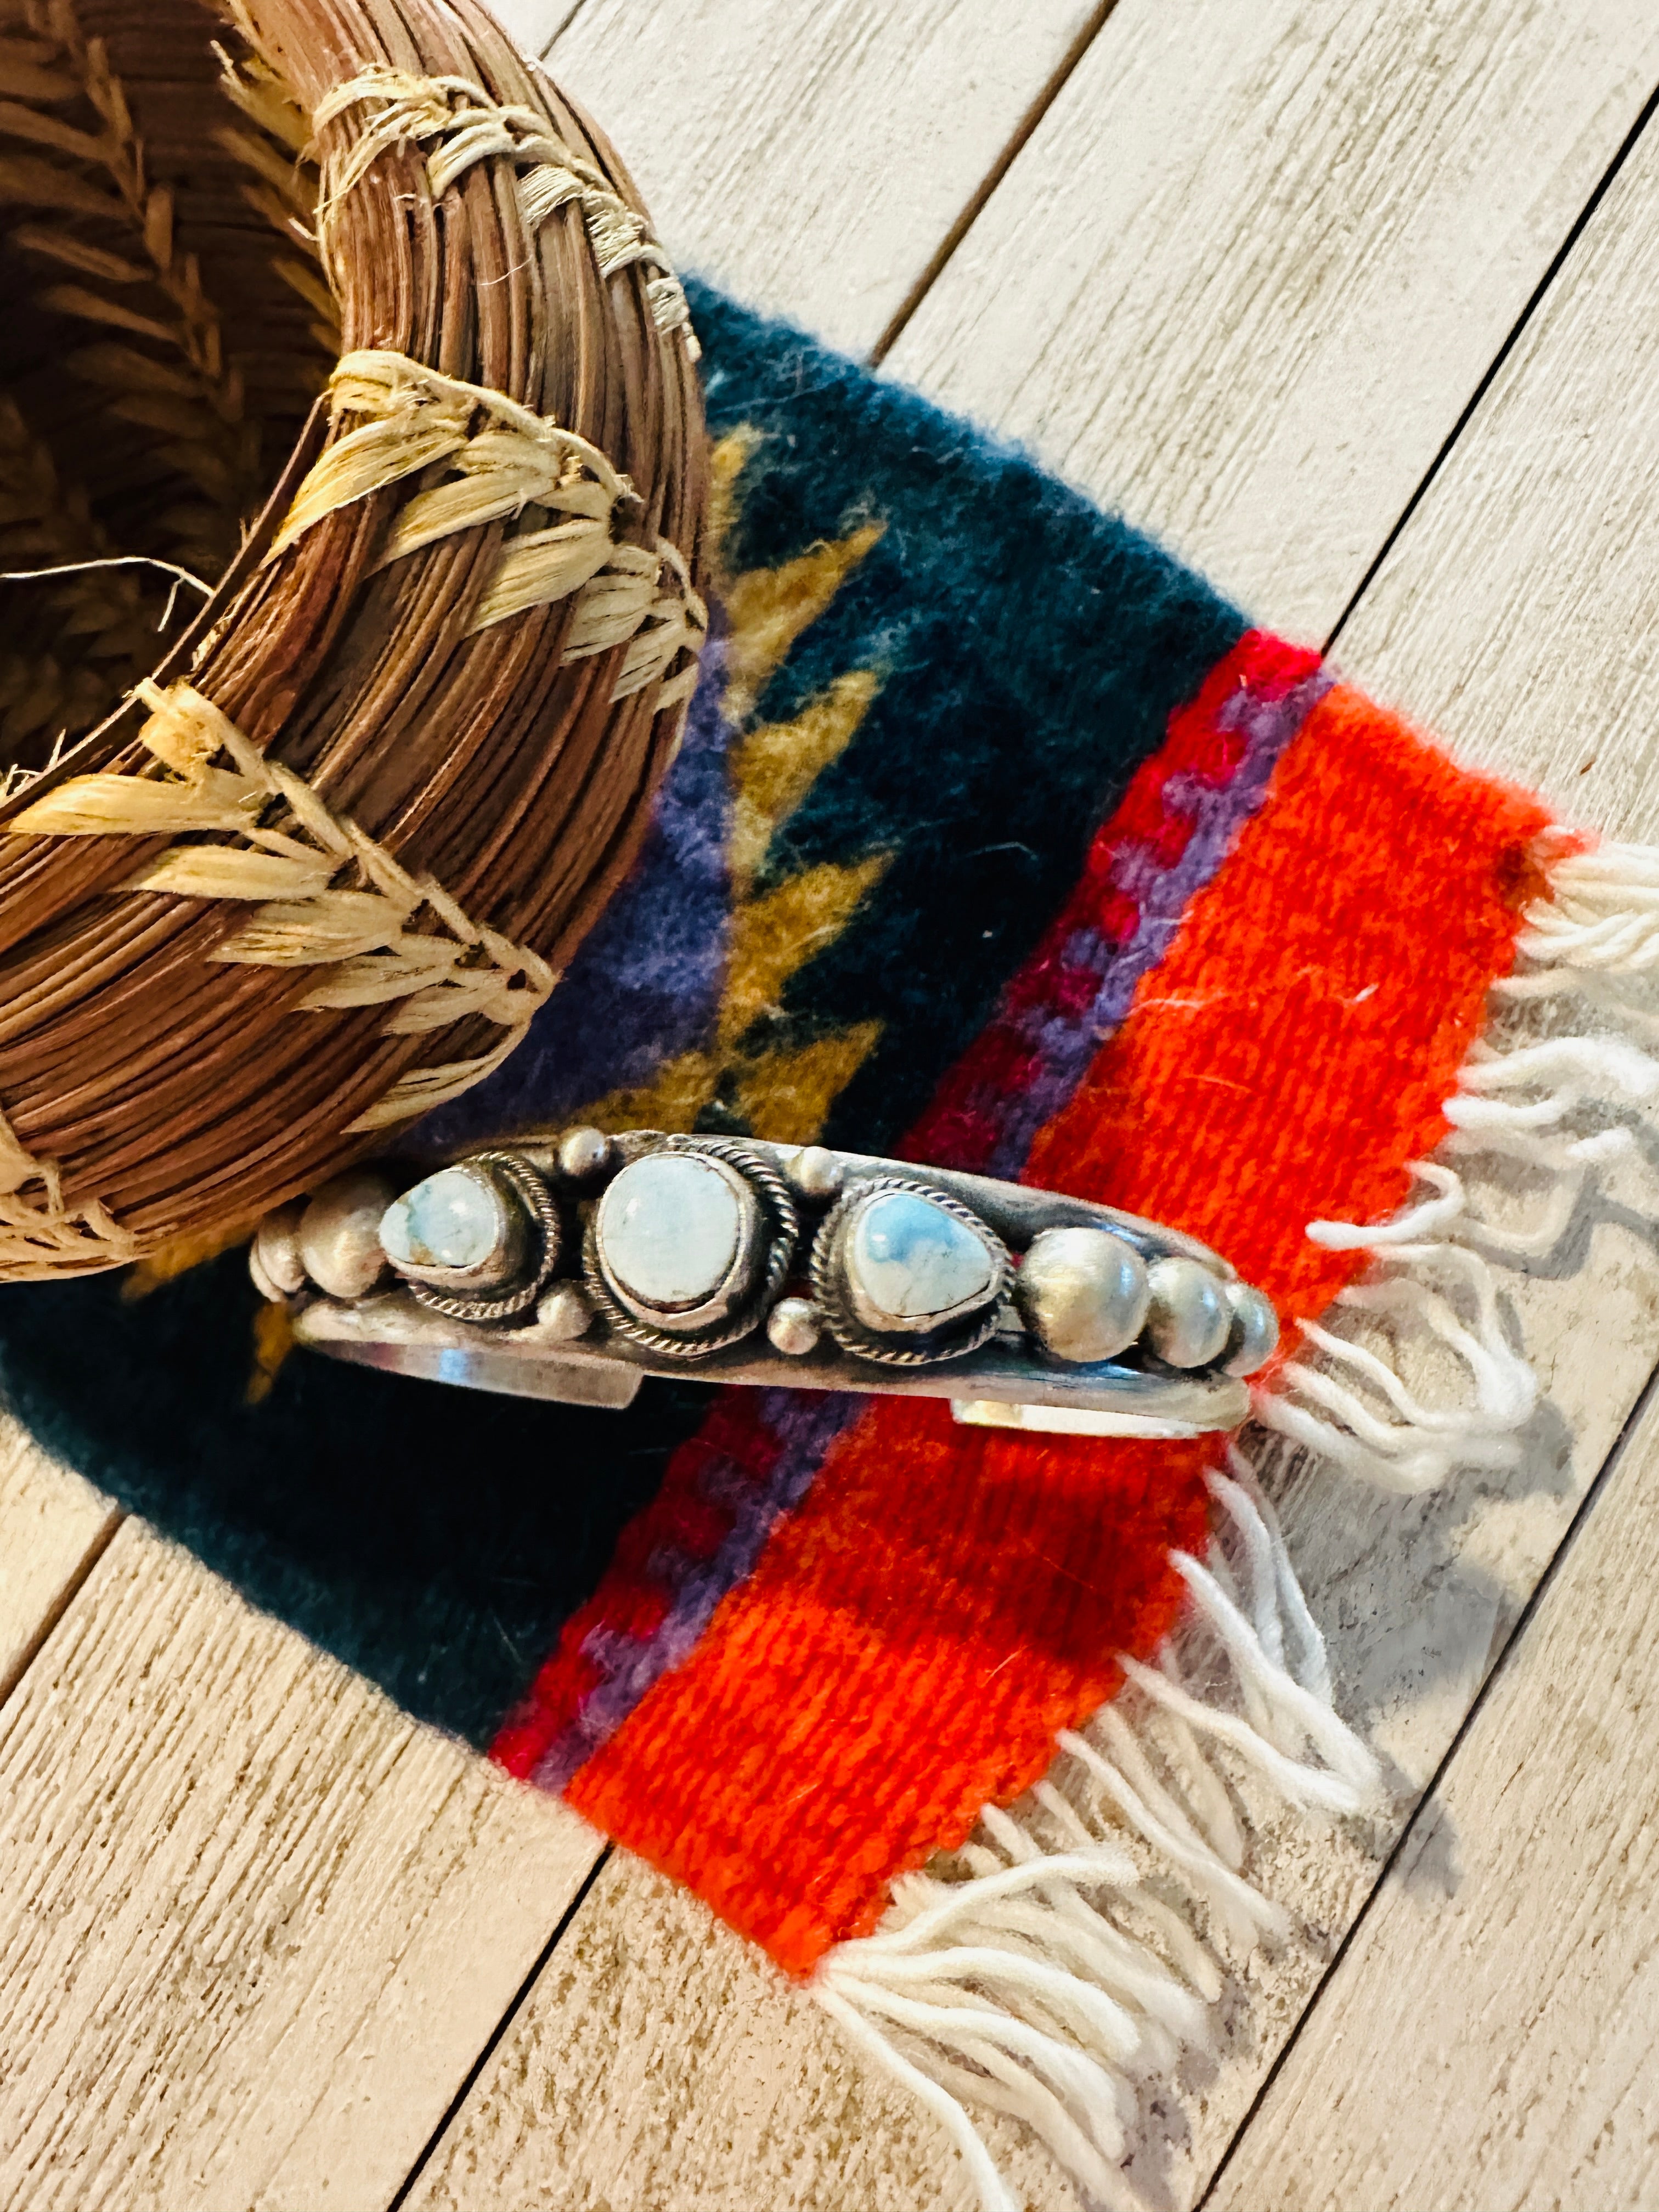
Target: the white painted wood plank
pixel 1256 258
pixel 666 2064
pixel 255 1925
pixel 1537 547
pixel 1534 562
pixel 1492 623
pixel 1358 1560
pixel 812 158
pixel 1489 2045
pixel 52 1524
pixel 1418 1596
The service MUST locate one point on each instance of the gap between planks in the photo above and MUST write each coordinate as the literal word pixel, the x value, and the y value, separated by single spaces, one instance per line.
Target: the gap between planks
pixel 54 1528
pixel 255 1925
pixel 1502 269
pixel 1022 131
pixel 518 2131
pixel 1537 2048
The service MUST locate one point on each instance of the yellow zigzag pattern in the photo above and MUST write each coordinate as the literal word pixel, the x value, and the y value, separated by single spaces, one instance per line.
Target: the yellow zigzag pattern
pixel 783 1095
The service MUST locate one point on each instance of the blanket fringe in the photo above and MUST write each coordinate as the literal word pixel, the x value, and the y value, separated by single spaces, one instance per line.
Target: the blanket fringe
pixel 1075 1952
pixel 1074 1946
pixel 1594 940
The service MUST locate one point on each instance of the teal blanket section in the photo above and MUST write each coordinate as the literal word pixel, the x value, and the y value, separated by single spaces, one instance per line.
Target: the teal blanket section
pixel 1030 650
pixel 1027 651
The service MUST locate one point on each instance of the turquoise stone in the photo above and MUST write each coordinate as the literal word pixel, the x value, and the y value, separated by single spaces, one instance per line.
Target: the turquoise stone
pixel 911 1260
pixel 452 1220
pixel 669 1227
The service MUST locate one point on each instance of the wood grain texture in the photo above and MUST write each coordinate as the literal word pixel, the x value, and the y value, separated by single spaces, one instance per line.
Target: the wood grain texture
pixel 1538 516
pixel 1418 1597
pixel 52 1525
pixel 1503 1991
pixel 255 1925
pixel 1513 2025
pixel 1256 260
pixel 1538 546
pixel 812 158
pixel 666 2064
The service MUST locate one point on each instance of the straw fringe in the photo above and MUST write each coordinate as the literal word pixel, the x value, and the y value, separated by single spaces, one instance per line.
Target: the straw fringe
pixel 41 1239
pixel 503 457
pixel 464 125
pixel 1055 1973
pixel 415 417
pixel 329 896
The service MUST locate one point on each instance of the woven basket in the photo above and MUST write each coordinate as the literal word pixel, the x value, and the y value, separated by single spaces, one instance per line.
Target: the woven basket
pixel 340 307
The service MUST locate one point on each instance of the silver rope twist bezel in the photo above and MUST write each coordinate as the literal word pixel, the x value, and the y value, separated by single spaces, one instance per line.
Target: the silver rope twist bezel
pixel 845 1327
pixel 544 1214
pixel 778 1208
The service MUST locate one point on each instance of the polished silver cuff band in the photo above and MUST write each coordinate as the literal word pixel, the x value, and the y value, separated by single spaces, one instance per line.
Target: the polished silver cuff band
pixel 573 1268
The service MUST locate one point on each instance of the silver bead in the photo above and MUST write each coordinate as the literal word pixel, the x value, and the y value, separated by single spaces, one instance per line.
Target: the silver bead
pixel 794 1326
pixel 1084 1293
pixel 1189 1318
pixel 817 1173
pixel 1255 1335
pixel 563 1312
pixel 584 1153
pixel 340 1233
pixel 275 1252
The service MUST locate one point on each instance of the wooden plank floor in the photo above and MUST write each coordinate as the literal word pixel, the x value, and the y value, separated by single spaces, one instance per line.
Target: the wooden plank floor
pixel 1356 306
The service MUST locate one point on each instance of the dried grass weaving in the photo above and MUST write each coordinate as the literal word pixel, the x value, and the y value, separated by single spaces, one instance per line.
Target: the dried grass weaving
pixel 337 306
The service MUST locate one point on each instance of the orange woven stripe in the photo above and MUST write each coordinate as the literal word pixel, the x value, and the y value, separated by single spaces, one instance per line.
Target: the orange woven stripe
pixel 1290 1057
pixel 945 1599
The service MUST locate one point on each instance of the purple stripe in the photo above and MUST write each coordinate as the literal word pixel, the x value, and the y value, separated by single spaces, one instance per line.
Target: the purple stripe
pixel 807 1422
pixel 1065 1041
pixel 645 982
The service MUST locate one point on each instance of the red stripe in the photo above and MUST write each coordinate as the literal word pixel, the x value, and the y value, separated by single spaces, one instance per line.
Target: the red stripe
pixel 963 1127
pixel 632 1600
pixel 942 1601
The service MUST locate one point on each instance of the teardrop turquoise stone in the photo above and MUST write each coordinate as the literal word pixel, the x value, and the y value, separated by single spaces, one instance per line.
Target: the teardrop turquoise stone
pixel 912 1260
pixel 452 1220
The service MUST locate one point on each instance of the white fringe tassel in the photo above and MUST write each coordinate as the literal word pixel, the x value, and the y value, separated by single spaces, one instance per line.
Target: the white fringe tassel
pixel 1074 1955
pixel 1592 940
pixel 1057 1973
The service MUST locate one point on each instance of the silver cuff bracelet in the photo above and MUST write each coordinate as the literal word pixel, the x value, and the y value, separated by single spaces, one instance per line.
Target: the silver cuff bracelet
pixel 573 1268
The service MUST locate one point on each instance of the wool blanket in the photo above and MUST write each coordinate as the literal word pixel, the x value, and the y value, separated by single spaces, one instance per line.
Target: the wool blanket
pixel 997 840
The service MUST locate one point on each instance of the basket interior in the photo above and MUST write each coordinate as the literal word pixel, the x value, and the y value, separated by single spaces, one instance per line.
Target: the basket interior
pixel 168 328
